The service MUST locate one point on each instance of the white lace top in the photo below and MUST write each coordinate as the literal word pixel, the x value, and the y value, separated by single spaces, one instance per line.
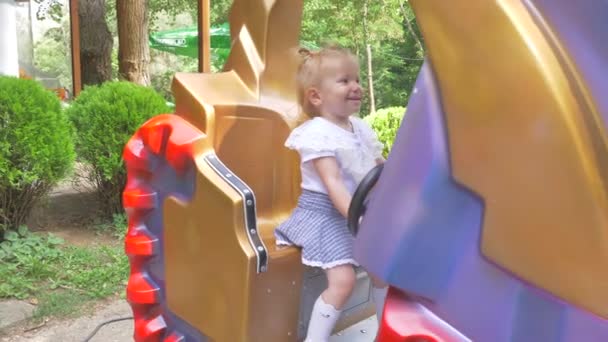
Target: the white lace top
pixel 356 152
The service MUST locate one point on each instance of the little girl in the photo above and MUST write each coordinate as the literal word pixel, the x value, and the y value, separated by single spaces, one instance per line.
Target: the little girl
pixel 336 151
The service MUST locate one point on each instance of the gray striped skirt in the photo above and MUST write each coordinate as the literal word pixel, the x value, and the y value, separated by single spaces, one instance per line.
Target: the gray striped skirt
pixel 321 231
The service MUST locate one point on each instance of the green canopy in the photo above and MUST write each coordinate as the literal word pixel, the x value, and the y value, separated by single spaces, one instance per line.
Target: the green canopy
pixel 184 41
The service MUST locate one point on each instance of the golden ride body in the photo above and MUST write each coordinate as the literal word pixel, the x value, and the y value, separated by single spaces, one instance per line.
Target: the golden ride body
pixel 208 185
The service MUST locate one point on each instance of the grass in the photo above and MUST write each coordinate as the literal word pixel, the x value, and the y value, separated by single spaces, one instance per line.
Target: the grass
pixel 62 279
pixel 67 304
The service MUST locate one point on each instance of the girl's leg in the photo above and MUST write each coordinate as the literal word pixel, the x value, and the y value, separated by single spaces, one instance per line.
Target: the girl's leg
pixel 327 308
pixel 379 289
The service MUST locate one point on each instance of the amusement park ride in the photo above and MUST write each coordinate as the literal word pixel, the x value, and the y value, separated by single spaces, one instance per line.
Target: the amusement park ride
pixel 489 220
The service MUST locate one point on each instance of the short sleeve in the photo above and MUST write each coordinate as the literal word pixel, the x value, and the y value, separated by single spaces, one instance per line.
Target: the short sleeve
pixel 370 138
pixel 312 140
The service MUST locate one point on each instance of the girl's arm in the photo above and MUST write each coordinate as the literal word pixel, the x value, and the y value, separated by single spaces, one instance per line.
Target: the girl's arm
pixel 329 171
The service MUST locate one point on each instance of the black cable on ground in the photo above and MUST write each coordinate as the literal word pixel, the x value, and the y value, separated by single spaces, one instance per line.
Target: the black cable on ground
pixel 88 338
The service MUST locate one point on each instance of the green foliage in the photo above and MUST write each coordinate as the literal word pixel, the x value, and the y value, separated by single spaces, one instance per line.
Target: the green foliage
pixel 161 78
pixel 171 8
pixel 117 228
pixel 120 224
pixel 105 117
pixel 50 10
pixel 26 256
pixel 53 55
pixel 21 244
pixel 163 9
pixel 36 147
pixel 161 83
pixel 386 122
pixel 160 9
pixel 40 266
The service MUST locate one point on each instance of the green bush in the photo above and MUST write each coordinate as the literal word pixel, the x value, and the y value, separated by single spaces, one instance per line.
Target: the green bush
pixel 386 123
pixel 105 118
pixel 36 147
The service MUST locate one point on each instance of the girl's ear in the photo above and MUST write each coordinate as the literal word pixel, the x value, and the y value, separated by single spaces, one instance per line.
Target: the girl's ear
pixel 313 96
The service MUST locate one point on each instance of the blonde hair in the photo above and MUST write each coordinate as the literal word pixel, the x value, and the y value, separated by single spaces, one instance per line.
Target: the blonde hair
pixel 311 70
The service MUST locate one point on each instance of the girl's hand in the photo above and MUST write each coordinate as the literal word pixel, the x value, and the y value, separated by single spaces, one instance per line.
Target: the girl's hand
pixel 329 172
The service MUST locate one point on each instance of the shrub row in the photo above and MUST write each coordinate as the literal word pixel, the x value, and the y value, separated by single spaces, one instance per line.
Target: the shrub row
pixel 385 122
pixel 105 117
pixel 39 141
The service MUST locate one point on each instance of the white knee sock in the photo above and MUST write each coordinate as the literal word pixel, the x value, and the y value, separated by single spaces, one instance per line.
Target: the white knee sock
pixel 379 296
pixel 322 321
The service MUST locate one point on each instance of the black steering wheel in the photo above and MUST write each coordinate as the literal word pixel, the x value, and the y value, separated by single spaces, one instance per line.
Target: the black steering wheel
pixel 357 204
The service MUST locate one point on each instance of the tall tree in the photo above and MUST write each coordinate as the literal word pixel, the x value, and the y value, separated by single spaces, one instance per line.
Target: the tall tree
pixel 95 42
pixel 133 51
pixel 368 55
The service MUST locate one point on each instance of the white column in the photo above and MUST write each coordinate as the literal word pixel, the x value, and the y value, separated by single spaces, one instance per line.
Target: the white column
pixel 9 57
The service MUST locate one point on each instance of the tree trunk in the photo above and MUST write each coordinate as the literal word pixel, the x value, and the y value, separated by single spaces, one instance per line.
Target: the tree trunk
pixel 95 42
pixel 133 50
pixel 370 76
pixel 370 80
pixel 410 28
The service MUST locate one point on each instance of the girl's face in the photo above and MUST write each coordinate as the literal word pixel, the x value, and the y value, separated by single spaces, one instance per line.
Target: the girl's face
pixel 339 93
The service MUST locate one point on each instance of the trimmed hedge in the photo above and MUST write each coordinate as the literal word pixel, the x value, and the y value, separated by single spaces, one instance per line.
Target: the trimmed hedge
pixel 386 123
pixel 105 118
pixel 36 147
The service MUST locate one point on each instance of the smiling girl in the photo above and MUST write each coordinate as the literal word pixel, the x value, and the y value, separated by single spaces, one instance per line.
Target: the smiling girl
pixel 336 151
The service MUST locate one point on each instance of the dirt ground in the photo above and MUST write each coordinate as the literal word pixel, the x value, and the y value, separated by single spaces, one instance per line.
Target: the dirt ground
pixel 70 212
